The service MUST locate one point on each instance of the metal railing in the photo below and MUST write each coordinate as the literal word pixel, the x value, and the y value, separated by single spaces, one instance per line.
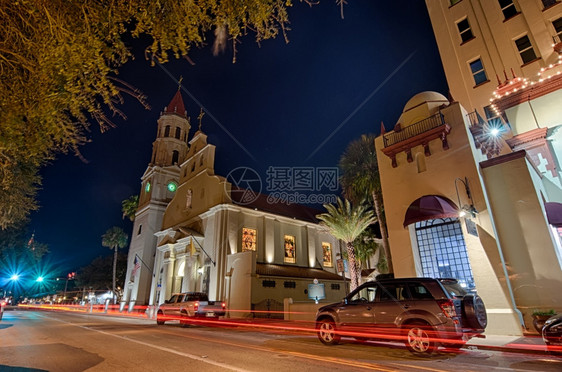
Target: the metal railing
pixel 413 130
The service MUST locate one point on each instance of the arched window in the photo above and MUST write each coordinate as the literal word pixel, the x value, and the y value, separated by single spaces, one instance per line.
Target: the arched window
pixel 167 131
pixel 178 132
pixel 175 156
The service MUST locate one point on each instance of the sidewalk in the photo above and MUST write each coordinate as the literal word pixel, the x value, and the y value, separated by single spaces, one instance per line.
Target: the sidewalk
pixel 516 344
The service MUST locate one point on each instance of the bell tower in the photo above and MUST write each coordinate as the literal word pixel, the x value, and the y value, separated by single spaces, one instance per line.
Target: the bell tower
pixel 158 186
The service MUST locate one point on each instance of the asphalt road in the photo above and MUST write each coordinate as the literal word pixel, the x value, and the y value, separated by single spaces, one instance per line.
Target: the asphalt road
pixel 59 341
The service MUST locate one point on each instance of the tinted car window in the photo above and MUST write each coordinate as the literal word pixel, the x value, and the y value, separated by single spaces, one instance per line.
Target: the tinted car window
pixel 420 292
pixel 394 291
pixel 365 293
pixel 173 299
pixel 453 287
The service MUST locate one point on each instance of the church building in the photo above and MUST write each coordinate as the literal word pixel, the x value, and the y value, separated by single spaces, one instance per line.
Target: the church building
pixel 195 231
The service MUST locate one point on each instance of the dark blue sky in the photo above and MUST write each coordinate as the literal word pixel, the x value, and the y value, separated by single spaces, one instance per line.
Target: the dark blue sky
pixel 280 101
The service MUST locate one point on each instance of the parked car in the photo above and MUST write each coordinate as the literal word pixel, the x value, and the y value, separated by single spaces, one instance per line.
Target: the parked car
pixel 188 306
pixel 423 312
pixel 552 334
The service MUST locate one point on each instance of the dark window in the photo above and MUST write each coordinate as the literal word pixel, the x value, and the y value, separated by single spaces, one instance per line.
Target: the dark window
pixel 525 49
pixel 175 156
pixel 508 8
pixel 464 30
pixel 490 113
pixel 178 132
pixel 558 28
pixel 335 287
pixel 290 285
pixel 140 229
pixel 268 283
pixel 478 72
pixel 167 131
pixel 549 3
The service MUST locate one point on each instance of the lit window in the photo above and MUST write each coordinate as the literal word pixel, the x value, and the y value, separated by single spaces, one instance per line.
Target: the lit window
pixel 327 250
pixel 147 187
pixel 508 8
pixel 464 30
pixel 525 49
pixel 249 238
pixel 478 72
pixel 290 249
pixel 443 252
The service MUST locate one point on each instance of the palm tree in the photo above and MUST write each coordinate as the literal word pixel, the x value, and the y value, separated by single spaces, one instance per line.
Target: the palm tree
pixel 114 238
pixel 129 207
pixel 360 180
pixel 346 223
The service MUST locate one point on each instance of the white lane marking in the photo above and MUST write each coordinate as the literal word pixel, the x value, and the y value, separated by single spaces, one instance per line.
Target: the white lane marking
pixel 191 356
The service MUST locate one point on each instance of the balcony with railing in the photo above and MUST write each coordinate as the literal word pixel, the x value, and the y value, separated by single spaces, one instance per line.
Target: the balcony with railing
pixel 420 133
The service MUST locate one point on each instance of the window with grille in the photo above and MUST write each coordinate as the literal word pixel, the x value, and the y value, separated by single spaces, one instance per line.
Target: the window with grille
pixel 525 49
pixel 443 251
pixel 478 72
pixel 464 30
pixel 508 8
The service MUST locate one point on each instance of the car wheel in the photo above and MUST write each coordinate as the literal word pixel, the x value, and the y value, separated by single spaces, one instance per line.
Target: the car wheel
pixel 184 322
pixel 419 338
pixel 160 318
pixel 327 333
pixel 474 312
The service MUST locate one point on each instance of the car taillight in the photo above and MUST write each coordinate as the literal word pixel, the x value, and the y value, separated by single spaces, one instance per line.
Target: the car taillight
pixel 224 305
pixel 196 306
pixel 448 308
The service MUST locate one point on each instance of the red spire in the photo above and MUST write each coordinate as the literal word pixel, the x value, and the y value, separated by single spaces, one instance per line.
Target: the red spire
pixel 383 130
pixel 176 105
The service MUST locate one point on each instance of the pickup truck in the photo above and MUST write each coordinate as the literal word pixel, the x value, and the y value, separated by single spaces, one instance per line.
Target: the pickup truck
pixel 188 306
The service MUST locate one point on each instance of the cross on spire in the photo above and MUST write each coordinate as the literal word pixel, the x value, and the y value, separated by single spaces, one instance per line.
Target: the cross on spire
pixel 179 82
pixel 200 117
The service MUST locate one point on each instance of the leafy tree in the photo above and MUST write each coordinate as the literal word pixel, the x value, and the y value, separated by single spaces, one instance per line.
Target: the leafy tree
pixel 129 207
pixel 346 222
pixel 114 238
pixel 96 275
pixel 361 181
pixel 59 62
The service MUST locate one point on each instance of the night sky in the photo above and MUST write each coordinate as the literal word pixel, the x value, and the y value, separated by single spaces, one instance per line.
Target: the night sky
pixel 283 102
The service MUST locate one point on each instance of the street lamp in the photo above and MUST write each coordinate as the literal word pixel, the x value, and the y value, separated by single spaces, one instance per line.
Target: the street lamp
pixel 14 277
pixel 40 279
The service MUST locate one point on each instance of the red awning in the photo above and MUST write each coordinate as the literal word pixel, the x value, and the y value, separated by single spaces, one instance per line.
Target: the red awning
pixel 554 213
pixel 430 207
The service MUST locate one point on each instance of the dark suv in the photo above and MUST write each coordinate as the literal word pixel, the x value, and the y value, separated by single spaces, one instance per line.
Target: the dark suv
pixel 422 312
